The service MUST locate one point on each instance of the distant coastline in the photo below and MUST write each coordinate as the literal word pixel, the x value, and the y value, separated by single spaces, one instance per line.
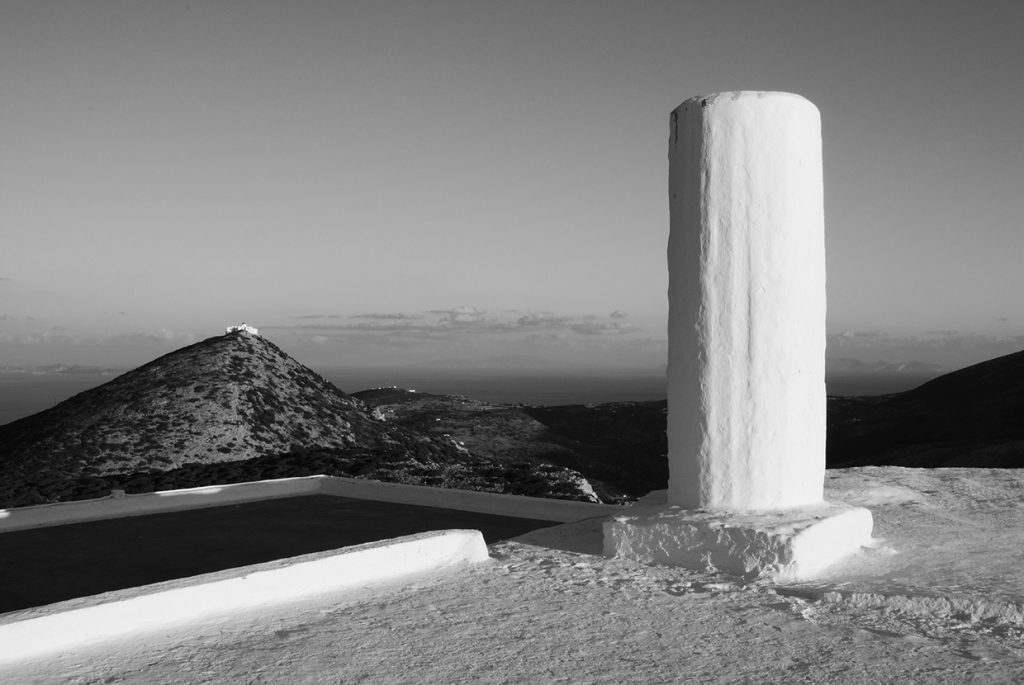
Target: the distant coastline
pixel 25 393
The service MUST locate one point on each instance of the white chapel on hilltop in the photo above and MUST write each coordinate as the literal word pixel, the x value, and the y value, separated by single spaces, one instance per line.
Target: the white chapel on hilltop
pixel 243 328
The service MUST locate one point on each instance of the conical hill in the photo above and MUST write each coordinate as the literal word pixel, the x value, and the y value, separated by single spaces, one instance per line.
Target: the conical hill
pixel 227 398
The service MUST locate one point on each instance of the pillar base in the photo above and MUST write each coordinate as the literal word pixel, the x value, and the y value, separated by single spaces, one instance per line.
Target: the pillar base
pixel 783 545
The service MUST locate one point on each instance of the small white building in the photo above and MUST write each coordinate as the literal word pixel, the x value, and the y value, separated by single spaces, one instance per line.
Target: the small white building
pixel 243 328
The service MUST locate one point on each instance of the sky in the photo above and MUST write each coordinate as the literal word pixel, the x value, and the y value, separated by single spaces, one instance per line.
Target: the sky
pixel 382 183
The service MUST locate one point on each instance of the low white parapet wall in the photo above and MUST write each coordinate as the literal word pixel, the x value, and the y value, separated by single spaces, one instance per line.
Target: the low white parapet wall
pixel 74 624
pixel 111 507
pixel 517 506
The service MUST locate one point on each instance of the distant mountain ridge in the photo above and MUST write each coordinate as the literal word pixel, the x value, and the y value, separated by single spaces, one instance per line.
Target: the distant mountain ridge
pixel 505 362
pixel 524 362
pixel 841 365
pixel 64 369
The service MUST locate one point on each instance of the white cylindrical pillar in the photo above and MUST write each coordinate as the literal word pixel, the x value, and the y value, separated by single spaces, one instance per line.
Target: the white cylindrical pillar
pixel 746 257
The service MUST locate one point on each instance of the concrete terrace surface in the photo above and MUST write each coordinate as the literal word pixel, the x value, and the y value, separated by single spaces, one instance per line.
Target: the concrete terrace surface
pixel 63 562
pixel 936 599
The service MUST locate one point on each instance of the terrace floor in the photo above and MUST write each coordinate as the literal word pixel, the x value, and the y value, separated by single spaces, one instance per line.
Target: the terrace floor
pixel 81 559
pixel 937 598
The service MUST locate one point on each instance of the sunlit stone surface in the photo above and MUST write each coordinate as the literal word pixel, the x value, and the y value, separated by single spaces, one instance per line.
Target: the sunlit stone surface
pixel 746 373
pixel 781 544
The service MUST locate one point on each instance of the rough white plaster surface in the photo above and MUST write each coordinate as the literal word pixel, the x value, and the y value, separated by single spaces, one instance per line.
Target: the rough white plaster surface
pixel 931 601
pixel 120 505
pixel 126 613
pixel 781 545
pixel 518 506
pixel 117 506
pixel 746 255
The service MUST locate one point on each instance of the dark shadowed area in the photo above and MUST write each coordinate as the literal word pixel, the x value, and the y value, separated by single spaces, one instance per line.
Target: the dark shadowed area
pixel 64 562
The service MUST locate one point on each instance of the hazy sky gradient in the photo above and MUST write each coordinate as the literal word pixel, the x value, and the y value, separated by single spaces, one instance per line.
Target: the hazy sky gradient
pixel 494 172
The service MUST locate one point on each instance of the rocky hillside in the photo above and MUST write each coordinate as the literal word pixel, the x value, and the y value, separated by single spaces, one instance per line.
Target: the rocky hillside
pixel 231 397
pixel 231 408
pixel 973 417
pixel 236 408
pixel 618 447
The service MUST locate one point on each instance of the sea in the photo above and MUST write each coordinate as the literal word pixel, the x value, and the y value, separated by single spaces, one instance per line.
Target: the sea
pixel 23 394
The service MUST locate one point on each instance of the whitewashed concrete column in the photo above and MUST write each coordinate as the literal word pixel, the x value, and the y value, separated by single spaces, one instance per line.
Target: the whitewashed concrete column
pixel 746 254
pixel 746 378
